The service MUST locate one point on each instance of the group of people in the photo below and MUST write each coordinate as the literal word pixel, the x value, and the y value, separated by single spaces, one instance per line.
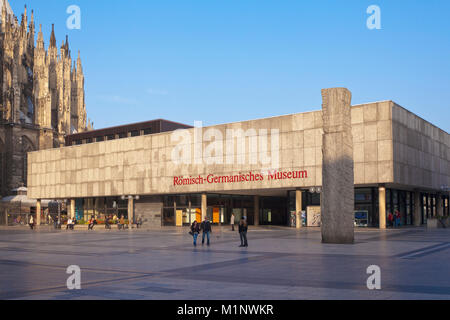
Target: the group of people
pixel 206 229
pixel 395 219
pixel 71 222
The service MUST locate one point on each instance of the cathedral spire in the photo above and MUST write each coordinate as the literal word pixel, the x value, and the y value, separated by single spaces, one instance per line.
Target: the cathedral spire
pixel 31 30
pixel 32 20
pixel 24 22
pixel 66 46
pixel 3 18
pixel 6 11
pixel 79 66
pixel 52 37
pixel 40 38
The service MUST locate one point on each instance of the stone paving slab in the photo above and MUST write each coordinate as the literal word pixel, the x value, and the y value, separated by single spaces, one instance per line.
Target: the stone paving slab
pixel 281 263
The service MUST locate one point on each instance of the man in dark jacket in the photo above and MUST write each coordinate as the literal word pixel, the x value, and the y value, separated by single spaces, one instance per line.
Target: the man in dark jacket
pixel 206 228
pixel 243 227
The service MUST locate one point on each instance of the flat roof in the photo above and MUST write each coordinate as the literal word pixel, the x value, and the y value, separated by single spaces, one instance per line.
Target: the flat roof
pixel 155 126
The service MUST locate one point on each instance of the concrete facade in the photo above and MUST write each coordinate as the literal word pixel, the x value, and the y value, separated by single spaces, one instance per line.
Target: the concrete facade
pixel 143 165
pixel 421 151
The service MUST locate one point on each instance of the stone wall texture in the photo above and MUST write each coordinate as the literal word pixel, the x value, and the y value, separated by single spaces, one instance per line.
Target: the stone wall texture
pixel 338 199
pixel 421 151
pixel 143 165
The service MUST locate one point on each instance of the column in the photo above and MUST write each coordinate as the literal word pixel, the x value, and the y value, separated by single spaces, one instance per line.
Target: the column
pixel 298 208
pixel 439 206
pixel 417 209
pixel 256 214
pixel 6 217
pixel 72 208
pixel 382 207
pixel 204 205
pixel 130 211
pixel 38 212
pixel 338 198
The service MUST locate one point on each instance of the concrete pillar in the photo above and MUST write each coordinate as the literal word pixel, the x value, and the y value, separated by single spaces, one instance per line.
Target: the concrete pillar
pixel 417 209
pixel 256 214
pixel 6 217
pixel 38 212
pixel 130 211
pixel 204 206
pixel 338 198
pixel 382 206
pixel 298 208
pixel 439 205
pixel 72 208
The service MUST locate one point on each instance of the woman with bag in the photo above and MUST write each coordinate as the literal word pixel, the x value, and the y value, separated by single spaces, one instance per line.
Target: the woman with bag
pixel 195 230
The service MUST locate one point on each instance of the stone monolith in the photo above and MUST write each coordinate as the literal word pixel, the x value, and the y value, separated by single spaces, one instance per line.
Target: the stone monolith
pixel 337 171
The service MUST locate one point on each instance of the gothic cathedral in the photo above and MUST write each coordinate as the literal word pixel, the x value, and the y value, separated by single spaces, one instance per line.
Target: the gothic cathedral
pixel 41 95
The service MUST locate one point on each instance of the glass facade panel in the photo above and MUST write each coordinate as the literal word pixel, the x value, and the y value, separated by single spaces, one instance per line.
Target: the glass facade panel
pixel 168 217
pixel 366 207
pixel 408 209
pixel 196 200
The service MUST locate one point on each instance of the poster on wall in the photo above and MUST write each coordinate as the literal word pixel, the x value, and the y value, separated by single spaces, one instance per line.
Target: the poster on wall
pixel 179 218
pixel 361 218
pixel 216 215
pixel 313 216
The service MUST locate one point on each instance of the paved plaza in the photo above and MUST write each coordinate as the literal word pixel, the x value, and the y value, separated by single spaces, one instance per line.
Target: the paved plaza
pixel 280 263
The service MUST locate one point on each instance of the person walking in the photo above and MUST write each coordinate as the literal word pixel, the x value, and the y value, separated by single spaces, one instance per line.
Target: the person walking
pixel 391 219
pixel 195 230
pixel 31 222
pixel 232 221
pixel 139 222
pixel 397 219
pixel 107 224
pixel 206 228
pixel 243 228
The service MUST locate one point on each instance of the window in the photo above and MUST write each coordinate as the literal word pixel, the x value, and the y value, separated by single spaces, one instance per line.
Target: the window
pixel 99 139
pixel 25 169
pixel 135 133
pixel 122 135
pixel 168 217
pixel 111 137
pixel 147 131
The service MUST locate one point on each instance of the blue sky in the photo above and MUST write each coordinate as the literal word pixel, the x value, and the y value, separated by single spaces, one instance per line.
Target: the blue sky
pixel 222 61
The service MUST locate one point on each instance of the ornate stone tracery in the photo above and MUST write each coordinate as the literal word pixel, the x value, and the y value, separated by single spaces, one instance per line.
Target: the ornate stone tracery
pixel 41 93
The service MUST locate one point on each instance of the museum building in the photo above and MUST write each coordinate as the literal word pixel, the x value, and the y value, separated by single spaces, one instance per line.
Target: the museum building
pixel 268 170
